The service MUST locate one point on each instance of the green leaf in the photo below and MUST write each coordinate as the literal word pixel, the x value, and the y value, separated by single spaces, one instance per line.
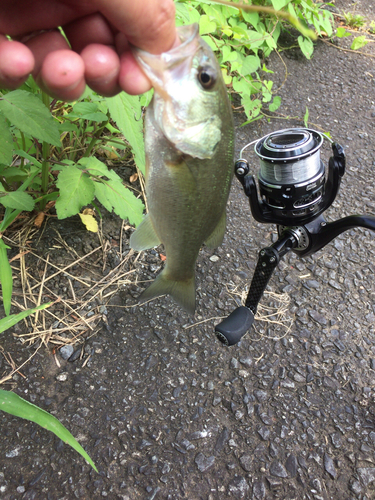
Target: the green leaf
pixel 210 42
pixel 17 200
pixel 266 70
pixel 6 279
pixel 34 161
pixel 182 13
pixel 251 17
pixel 88 111
pixel 15 405
pixel 228 54
pixel 13 319
pixel 27 112
pixel 341 32
pixel 241 86
pixel 206 26
pixel 279 4
pixel 275 104
pixel 113 195
pixel 359 42
pixel 306 117
pixel 76 190
pixel 126 111
pixel 6 142
pixel 250 65
pixel 67 126
pixel 252 107
pixel 306 46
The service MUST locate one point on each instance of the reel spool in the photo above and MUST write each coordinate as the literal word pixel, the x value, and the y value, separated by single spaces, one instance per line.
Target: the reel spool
pixel 292 176
pixel 293 186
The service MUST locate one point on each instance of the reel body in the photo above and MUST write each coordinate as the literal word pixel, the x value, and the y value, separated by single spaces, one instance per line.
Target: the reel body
pixel 294 192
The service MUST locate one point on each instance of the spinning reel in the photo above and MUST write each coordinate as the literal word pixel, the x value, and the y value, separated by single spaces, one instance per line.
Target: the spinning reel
pixel 294 192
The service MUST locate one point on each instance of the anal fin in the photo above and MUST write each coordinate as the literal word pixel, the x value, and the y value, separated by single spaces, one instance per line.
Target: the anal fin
pixel 216 237
pixel 144 236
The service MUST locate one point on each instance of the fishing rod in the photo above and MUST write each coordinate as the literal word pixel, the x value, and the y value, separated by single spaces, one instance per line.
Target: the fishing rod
pixel 294 191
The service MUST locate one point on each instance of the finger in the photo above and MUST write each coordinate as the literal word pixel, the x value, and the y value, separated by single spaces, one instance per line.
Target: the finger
pixel 16 63
pixel 131 79
pixel 149 24
pixel 87 30
pixel 63 75
pixel 58 70
pixel 102 68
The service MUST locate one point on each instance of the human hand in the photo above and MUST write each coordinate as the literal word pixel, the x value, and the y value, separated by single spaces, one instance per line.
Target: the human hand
pixel 99 33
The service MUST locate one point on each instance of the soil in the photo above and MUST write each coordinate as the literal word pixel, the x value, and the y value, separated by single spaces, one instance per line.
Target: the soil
pixel 162 407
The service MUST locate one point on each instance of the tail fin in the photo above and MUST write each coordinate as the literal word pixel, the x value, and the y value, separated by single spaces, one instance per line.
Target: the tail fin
pixel 183 292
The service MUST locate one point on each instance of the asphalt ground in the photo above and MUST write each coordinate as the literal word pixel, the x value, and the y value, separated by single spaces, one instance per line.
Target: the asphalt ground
pixel 165 410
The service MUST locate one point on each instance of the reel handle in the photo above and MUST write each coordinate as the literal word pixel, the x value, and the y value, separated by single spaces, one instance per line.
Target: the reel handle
pixel 231 330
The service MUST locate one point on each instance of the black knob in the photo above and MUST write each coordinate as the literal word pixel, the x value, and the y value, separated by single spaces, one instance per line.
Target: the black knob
pixel 233 328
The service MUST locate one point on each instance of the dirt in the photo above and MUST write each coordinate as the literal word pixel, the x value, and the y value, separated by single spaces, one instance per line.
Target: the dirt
pixel 164 409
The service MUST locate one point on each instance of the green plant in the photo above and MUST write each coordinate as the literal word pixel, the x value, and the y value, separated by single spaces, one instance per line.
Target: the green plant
pixel 46 155
pixel 354 20
pixel 13 404
pixel 242 40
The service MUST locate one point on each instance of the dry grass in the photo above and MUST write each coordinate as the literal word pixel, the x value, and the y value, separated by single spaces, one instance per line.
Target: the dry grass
pixel 73 317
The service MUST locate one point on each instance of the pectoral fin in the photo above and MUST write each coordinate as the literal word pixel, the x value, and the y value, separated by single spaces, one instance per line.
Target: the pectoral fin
pixel 216 237
pixel 144 236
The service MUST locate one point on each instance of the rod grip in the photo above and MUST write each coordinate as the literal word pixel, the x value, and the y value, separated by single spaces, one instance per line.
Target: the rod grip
pixel 231 330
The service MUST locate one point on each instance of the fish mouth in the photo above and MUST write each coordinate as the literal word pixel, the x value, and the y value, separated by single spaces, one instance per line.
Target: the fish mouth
pixel 178 59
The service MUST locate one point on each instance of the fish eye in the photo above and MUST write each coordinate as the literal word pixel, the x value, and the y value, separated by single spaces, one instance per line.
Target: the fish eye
pixel 206 77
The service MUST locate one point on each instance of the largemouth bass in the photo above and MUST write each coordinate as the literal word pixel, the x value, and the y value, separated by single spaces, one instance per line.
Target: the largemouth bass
pixel 189 143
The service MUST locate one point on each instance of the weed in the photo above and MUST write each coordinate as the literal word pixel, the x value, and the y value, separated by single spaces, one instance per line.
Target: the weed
pixel 354 20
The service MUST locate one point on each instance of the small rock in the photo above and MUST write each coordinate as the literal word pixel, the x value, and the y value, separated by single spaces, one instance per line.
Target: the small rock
pixel 277 469
pixel 13 453
pixel 66 351
pixel 216 401
pixel 246 361
pixel 62 377
pixel 287 384
pixel 259 490
pixel 329 467
pixel 355 487
pixel 234 363
pixel 264 433
pixel 366 474
pixel 221 440
pixel 214 258
pixel 317 485
pixel 204 463
pixel 273 450
pixel 336 439
pixel 239 487
pixel 319 318
pixel 261 396
pixel 291 465
pixel 246 461
pixel 76 354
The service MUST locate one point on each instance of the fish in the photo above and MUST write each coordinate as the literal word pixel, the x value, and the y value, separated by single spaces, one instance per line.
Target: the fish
pixel 189 143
